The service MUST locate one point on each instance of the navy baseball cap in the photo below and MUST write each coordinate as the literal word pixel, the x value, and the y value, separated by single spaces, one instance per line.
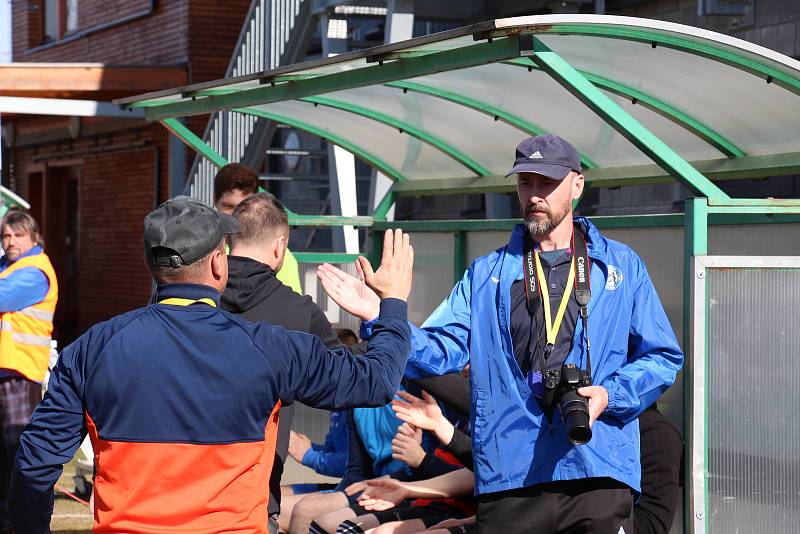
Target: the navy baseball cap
pixel 183 230
pixel 548 155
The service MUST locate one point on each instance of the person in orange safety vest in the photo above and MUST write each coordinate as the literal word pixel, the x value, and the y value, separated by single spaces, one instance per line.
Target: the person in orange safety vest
pixel 28 295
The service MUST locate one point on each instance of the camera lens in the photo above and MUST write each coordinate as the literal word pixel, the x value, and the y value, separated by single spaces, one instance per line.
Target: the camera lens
pixel 575 413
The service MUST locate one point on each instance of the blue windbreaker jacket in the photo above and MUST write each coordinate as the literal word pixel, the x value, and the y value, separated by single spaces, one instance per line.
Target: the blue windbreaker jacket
pixel 330 458
pixel 635 356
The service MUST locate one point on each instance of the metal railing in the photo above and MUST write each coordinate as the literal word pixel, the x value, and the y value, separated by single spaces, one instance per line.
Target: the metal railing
pixel 264 38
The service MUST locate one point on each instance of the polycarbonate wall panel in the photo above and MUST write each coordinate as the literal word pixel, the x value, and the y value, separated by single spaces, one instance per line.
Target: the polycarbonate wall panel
pixel 408 155
pixel 481 243
pixel 455 124
pixel 754 240
pixel 753 370
pixel 338 317
pixel 661 249
pixel 759 117
pixel 433 273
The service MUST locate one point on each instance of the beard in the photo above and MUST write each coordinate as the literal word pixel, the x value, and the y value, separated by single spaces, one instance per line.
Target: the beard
pixel 541 226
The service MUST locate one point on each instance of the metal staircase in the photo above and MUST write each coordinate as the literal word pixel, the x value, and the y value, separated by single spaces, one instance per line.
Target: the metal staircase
pixel 275 32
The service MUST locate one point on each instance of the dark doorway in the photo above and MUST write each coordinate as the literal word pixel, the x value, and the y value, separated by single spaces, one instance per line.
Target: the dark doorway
pixel 62 207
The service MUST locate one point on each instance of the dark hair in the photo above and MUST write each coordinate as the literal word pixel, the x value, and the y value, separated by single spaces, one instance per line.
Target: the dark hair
pixel 235 176
pixel 194 272
pixel 261 217
pixel 347 336
pixel 17 218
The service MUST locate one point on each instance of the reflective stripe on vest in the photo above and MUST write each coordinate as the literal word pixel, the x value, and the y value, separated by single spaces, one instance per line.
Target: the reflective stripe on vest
pixel 25 334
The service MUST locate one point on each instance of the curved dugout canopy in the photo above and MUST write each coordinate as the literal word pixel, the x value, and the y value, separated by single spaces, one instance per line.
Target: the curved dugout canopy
pixel 443 113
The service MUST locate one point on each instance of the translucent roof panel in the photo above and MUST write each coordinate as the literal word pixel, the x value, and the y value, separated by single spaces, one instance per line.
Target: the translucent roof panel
pixel 540 101
pixel 455 104
pixel 742 107
pixel 449 122
pixel 404 153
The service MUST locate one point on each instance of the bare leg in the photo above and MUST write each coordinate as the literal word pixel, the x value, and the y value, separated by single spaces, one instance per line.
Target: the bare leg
pixel 409 526
pixel 288 503
pixel 312 507
pixel 441 528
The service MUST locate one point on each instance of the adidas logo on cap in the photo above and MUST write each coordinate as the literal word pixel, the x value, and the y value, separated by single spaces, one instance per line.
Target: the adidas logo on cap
pixel 536 155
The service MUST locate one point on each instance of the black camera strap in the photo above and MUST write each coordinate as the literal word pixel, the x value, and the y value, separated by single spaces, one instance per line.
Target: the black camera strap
pixel 583 289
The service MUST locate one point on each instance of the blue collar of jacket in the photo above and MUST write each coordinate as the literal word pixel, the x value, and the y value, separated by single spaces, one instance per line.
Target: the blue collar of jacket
pixel 187 291
pixel 595 243
pixel 4 262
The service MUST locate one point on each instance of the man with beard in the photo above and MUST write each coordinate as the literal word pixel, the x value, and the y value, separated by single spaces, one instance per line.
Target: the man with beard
pixel 522 313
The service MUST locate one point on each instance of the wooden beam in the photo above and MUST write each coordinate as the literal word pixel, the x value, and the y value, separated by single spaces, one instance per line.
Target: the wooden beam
pixel 16 78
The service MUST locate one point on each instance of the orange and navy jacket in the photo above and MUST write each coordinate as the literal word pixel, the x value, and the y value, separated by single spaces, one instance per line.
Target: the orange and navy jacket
pixel 181 402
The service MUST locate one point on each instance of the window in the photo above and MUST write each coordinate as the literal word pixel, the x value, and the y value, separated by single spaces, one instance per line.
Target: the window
pixel 59 18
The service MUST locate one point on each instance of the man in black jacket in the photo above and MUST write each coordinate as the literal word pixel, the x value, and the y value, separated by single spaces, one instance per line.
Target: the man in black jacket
pixel 254 292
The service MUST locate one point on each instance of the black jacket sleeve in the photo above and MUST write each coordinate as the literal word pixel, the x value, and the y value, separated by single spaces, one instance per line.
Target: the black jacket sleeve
pixel 662 451
pixel 433 466
pixel 461 447
pixel 451 389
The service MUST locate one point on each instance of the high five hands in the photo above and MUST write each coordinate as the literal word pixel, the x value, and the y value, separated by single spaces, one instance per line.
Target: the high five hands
pixel 361 296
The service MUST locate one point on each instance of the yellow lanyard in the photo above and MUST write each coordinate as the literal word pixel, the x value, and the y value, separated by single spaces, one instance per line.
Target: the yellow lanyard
pixel 552 328
pixel 187 302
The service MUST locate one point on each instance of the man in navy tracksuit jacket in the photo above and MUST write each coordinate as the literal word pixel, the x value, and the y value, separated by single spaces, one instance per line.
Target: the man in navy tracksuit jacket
pixel 180 398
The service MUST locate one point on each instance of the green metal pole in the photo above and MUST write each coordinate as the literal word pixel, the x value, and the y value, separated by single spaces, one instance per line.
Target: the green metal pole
pixel 620 120
pixel 383 207
pixel 695 240
pixel 183 133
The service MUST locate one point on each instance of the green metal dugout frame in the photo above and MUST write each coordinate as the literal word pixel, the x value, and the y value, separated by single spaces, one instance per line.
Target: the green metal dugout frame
pixel 440 114
pixel 9 199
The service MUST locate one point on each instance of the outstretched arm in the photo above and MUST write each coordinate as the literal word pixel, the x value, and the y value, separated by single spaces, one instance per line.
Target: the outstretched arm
pixel 385 493
pixel 438 348
pixel 337 379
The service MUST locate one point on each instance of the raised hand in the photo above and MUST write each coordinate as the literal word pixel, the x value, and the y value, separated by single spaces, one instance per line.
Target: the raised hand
pixel 406 445
pixel 422 413
pixel 349 292
pixel 393 277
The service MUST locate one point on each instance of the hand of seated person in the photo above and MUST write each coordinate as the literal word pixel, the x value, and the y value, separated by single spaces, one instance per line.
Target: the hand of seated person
pixel 406 445
pixel 423 413
pixel 298 445
pixel 358 487
pixel 382 494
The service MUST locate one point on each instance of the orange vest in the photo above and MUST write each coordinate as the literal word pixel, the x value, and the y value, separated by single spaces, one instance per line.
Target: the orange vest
pixel 25 334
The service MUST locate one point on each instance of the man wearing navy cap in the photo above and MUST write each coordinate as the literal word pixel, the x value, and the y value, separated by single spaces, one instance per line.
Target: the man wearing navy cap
pixel 567 344
pixel 181 398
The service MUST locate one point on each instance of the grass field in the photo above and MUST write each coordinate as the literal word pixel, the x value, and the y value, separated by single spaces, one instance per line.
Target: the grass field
pixel 69 516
